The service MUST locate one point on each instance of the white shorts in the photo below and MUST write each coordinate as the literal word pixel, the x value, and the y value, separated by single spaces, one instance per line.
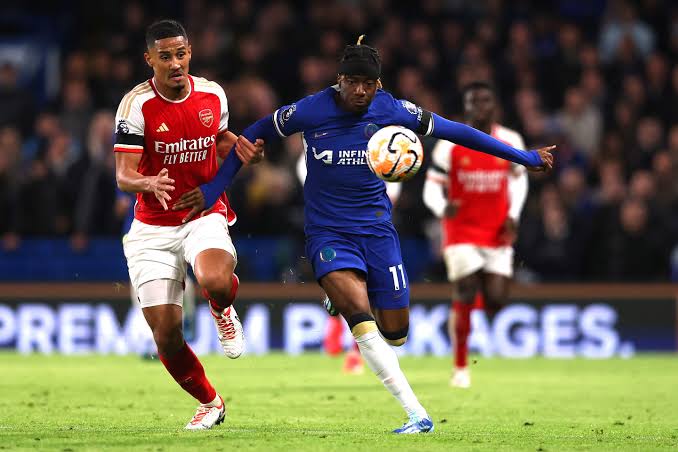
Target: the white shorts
pixel 161 252
pixel 465 259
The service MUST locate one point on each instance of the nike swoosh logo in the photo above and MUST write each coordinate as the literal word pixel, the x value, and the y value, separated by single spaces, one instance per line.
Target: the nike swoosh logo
pixel 319 134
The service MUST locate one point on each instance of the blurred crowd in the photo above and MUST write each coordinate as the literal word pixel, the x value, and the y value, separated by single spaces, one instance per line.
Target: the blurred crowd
pixel 598 78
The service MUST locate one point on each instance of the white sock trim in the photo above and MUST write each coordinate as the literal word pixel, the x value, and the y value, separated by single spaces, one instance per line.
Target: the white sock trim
pixel 215 402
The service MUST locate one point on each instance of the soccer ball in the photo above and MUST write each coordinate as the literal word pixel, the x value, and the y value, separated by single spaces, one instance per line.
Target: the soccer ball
pixel 394 153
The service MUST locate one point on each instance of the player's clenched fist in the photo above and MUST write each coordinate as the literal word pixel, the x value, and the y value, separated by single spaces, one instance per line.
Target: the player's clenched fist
pixel 249 153
pixel 160 185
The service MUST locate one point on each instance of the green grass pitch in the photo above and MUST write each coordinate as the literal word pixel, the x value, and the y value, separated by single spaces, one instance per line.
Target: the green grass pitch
pixel 278 402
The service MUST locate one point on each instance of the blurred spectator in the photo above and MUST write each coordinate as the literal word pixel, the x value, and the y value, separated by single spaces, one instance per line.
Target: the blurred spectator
pixel 10 149
pixel 634 253
pixel 16 103
pixel 76 109
pixel 581 122
pixel 94 193
pixel 623 30
pixel 548 244
pixel 46 190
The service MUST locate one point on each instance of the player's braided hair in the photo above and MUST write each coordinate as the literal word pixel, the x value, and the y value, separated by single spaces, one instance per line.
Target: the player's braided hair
pixel 360 59
pixel 161 29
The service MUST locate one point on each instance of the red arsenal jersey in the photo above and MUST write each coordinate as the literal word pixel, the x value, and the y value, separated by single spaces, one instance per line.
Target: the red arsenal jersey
pixel 478 182
pixel 179 135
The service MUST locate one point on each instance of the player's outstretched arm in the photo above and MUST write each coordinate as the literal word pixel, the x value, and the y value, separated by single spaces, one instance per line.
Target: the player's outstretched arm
pixel 539 160
pixel 131 181
pixel 244 150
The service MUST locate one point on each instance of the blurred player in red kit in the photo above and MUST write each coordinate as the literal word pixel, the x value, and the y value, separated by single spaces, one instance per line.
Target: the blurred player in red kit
pixel 480 214
pixel 169 131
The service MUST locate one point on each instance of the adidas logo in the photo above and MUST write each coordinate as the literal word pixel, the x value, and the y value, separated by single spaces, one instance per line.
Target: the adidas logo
pixel 163 128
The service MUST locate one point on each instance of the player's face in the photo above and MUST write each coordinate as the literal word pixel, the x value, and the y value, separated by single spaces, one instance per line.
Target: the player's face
pixel 356 92
pixel 479 106
pixel 169 58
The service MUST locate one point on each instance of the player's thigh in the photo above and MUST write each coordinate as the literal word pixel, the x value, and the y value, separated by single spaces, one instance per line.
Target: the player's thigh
pixel 339 267
pixel 209 249
pixel 347 289
pixel 495 289
pixel 154 253
pixel 466 287
pixel 388 285
pixel 462 260
pixel 497 274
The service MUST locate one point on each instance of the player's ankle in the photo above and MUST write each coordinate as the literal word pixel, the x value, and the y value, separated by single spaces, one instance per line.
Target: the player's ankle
pixel 217 401
pixel 216 307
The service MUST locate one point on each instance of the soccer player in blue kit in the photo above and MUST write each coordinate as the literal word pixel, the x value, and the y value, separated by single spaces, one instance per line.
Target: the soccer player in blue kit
pixel 350 239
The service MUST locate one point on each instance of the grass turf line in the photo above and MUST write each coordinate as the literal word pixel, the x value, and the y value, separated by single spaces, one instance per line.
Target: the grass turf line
pixel 278 402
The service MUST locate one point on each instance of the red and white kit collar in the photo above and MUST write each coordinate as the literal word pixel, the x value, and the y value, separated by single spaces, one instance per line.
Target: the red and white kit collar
pixel 190 90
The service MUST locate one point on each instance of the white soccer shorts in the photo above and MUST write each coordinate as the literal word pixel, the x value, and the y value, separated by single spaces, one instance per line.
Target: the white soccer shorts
pixel 161 252
pixel 465 259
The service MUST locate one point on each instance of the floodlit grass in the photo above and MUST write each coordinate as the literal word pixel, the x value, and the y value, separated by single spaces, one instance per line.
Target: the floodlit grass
pixel 278 402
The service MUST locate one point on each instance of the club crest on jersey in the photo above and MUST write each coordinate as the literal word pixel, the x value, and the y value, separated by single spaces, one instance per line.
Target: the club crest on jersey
pixel 370 129
pixel 206 117
pixel 465 161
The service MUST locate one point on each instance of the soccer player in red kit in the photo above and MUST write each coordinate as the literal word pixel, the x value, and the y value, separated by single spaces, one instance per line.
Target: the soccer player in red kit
pixel 168 132
pixel 480 213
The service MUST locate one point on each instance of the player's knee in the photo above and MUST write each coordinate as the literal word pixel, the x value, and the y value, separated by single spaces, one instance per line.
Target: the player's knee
pixel 169 340
pixel 216 283
pixel 361 324
pixel 395 338
pixel 466 290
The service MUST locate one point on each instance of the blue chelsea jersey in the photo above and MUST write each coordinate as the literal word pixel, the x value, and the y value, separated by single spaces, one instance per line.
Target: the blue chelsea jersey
pixel 340 190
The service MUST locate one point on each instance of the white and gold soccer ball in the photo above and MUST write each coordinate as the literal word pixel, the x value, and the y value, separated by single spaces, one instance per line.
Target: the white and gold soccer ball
pixel 394 153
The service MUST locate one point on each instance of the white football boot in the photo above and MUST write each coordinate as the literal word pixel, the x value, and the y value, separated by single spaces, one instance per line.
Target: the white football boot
pixel 461 378
pixel 230 332
pixel 206 417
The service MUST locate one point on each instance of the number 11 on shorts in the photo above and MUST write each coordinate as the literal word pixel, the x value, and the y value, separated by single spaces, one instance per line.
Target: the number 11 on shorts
pixel 393 271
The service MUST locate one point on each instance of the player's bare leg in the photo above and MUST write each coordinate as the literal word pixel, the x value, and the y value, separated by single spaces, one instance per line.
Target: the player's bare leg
pixel 495 289
pixel 459 327
pixel 333 341
pixel 348 292
pixel 213 269
pixel 165 321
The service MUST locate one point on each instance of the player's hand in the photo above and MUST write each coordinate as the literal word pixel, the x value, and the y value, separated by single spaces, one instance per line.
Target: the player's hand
pixel 509 232
pixel 160 185
pixel 546 157
pixel 451 208
pixel 248 153
pixel 193 199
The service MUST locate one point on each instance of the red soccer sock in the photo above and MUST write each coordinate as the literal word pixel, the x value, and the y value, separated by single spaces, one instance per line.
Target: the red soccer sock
pixel 186 369
pixel 462 330
pixel 334 333
pixel 235 283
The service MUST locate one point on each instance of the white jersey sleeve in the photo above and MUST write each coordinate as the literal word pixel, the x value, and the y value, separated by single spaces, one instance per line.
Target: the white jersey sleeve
pixel 518 183
pixel 437 177
pixel 129 120
pixel 223 116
